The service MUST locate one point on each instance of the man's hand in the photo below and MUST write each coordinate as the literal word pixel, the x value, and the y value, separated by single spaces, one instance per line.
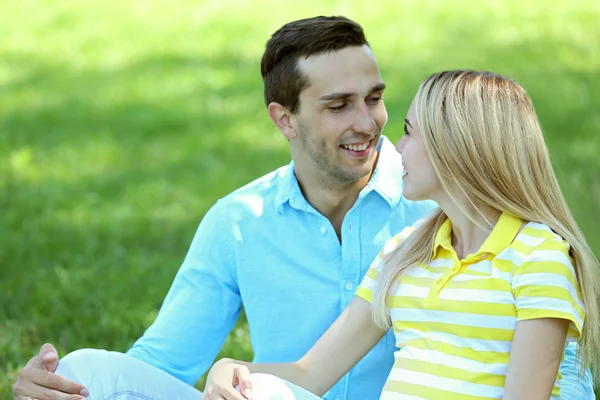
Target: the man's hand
pixel 38 380
pixel 223 378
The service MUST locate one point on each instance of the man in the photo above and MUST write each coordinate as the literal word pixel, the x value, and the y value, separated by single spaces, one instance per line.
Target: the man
pixel 292 245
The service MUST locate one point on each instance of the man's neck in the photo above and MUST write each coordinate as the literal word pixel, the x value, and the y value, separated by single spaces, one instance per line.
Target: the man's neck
pixel 332 201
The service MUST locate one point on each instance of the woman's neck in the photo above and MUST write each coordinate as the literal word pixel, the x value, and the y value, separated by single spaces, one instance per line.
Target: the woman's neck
pixel 470 226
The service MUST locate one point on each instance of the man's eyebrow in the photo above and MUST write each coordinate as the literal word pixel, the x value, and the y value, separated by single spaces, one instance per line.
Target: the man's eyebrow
pixel 407 123
pixel 378 87
pixel 346 95
pixel 337 96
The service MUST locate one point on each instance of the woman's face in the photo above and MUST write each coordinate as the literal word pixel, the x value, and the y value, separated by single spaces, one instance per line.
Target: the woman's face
pixel 421 182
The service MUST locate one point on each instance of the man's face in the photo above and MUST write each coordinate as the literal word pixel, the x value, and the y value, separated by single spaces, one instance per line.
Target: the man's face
pixel 341 115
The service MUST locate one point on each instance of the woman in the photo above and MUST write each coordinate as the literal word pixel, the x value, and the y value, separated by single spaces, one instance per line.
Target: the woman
pixel 485 292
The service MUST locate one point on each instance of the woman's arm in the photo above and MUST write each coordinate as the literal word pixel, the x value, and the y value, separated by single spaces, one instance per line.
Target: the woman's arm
pixel 535 357
pixel 350 337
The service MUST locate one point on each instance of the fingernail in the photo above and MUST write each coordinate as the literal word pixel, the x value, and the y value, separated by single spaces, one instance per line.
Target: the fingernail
pixel 248 393
pixel 49 356
pixel 84 392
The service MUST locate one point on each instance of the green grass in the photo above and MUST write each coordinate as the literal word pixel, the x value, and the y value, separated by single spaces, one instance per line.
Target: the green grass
pixel 122 122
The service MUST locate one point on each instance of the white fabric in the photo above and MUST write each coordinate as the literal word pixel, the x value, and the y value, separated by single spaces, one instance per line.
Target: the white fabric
pixel 110 375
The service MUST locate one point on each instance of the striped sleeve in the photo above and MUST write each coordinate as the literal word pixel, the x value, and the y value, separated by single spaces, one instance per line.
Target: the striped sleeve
pixel 369 283
pixel 545 286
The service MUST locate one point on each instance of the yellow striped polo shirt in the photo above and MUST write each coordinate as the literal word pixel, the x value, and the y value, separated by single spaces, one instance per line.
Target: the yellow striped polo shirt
pixel 454 320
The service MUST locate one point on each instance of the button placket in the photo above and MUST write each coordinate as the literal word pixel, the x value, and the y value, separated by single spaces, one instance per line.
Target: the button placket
pixel 443 280
pixel 350 274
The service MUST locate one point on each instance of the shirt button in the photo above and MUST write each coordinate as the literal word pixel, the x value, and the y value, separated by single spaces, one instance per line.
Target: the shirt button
pixel 350 226
pixel 323 229
pixel 349 286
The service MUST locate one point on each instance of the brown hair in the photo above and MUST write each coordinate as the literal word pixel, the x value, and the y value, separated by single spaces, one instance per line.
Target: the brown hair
pixel 283 81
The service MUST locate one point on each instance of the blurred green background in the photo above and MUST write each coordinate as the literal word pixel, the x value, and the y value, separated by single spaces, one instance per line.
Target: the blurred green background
pixel 121 122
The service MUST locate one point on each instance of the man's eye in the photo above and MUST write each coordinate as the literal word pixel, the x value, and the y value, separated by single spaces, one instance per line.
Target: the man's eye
pixel 375 99
pixel 338 108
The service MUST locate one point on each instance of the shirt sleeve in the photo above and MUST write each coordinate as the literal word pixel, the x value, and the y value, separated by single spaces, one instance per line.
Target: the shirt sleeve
pixel 545 286
pixel 200 308
pixel 368 285
pixel 572 385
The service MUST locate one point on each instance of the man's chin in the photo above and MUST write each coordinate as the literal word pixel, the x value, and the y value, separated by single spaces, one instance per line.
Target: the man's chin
pixel 358 173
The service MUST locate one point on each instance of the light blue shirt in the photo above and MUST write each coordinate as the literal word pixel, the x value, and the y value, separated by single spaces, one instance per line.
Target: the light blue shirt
pixel 265 246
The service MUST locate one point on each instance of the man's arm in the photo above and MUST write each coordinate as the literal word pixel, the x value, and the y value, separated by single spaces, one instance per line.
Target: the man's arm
pixel 572 385
pixel 201 306
pixel 200 309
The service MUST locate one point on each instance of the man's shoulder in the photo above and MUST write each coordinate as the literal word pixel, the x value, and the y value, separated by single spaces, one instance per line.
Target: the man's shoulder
pixel 256 195
pixel 418 207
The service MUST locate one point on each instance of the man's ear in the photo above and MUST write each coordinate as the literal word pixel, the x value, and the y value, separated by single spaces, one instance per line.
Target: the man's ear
pixel 283 118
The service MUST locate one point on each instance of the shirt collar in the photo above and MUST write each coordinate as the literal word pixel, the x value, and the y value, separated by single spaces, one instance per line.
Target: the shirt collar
pixel 386 180
pixel 288 190
pixel 387 177
pixel 503 234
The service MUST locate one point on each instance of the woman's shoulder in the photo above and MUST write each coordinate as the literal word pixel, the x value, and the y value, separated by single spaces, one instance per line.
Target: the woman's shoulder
pixel 537 242
pixel 536 234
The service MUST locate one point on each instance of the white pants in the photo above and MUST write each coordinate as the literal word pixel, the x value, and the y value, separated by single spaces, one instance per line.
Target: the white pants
pixel 110 375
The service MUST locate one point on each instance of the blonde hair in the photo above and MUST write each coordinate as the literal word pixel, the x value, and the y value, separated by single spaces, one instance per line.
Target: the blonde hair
pixel 484 140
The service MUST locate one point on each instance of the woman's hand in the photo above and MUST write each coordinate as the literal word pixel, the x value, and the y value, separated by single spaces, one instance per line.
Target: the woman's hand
pixel 350 337
pixel 223 378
